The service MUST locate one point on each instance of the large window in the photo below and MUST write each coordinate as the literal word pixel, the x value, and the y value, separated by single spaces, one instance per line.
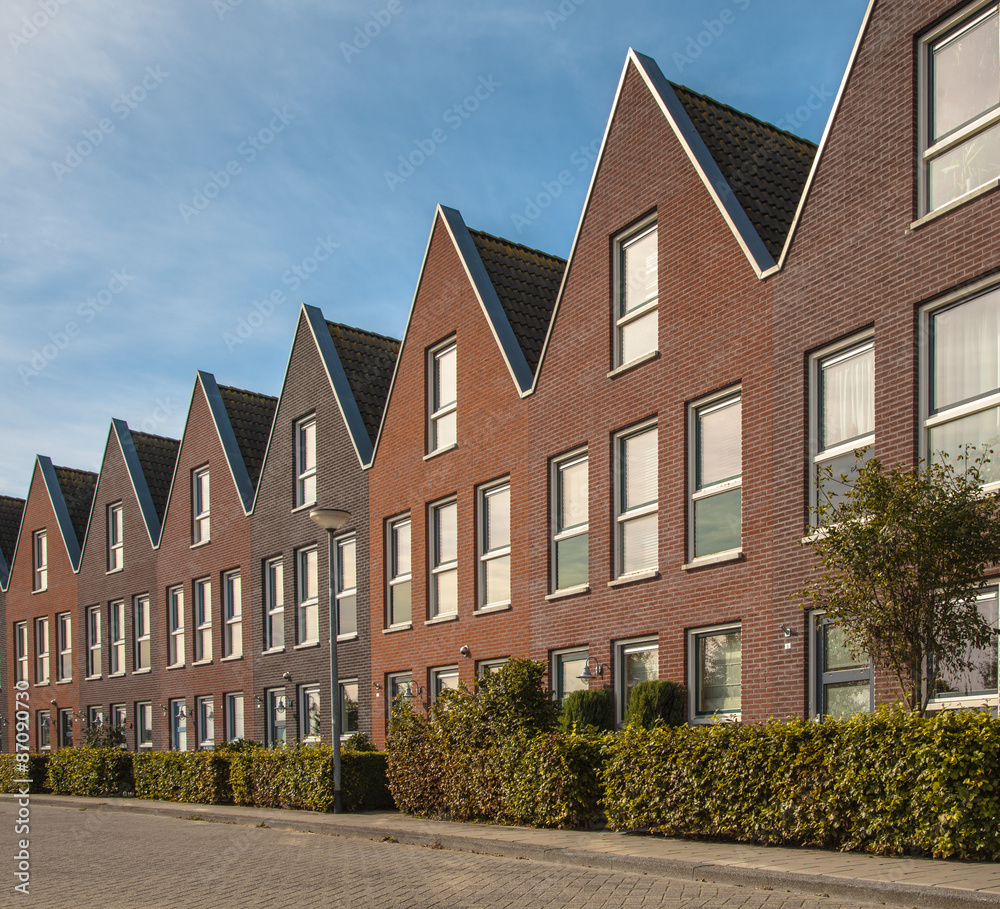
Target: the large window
pixel 116 547
pixel 567 666
pixel 205 715
pixel 963 375
pixel 178 725
pixel 636 295
pixel 201 513
pixel 349 707
pixel 41 651
pixel 277 708
pixel 346 587
pixel 398 556
pixel 570 522
pixel 232 611
pixel 202 620
pixel 20 651
pixel 143 726
pixel 636 501
pixel 444 559
pixel 636 661
pixel 305 461
pixel 65 720
pixel 234 716
pixel 494 545
pixel 842 418
pixel 93 641
pixel 977 684
pixel 399 685
pixel 43 721
pixel 116 637
pixel 717 493
pixel 442 397
pixel 274 605
pixel 309 713
pixel 175 622
pixel 843 684
pixel 64 647
pixel 40 556
pixel 960 134
pixel 140 631
pixel 119 721
pixel 307 601
pixel 715 664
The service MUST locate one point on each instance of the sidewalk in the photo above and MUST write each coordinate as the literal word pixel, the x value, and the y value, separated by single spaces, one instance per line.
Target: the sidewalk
pixel 865 878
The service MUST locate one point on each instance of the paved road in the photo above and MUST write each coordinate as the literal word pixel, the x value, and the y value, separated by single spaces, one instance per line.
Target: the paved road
pixel 113 860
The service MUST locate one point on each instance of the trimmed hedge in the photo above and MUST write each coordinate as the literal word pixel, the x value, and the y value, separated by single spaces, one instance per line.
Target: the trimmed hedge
pixel 656 702
pixel 12 769
pixel 182 776
pixel 91 772
pixel 592 707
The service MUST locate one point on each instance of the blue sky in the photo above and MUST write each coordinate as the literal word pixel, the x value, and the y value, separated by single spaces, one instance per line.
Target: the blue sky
pixel 168 167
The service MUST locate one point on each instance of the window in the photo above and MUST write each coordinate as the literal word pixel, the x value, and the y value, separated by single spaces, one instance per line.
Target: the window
pixel 41 651
pixel 570 522
pixel 205 714
pixel 715 661
pixel 636 294
pixel 40 551
pixel 202 621
pixel 234 716
pixel 200 507
pixel 442 397
pixel 65 719
pixel 305 462
pixel 566 668
pixel 143 726
pixel 178 725
pixel 232 608
pixel 20 651
pixel 637 661
pixel 346 587
pixel 444 559
pixel 485 667
pixel 307 608
pixel 119 720
pixel 349 708
pixel 962 408
pixel 276 709
pixel 398 685
pixel 116 637
pixel 842 682
pixel 444 678
pixel 42 721
pixel 64 647
pixel 978 683
pixel 93 641
pixel 399 572
pixel 140 630
pixel 274 605
pixel 116 551
pixel 175 618
pixel 960 129
pixel 95 716
pixel 717 476
pixel 636 501
pixel 842 415
pixel 494 545
pixel 309 713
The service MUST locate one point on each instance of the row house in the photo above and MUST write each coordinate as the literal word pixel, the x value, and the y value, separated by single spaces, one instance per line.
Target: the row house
pixel 11 511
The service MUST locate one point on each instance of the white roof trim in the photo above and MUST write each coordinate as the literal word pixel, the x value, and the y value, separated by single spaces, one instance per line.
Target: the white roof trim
pixel 60 510
pixel 137 475
pixel 227 438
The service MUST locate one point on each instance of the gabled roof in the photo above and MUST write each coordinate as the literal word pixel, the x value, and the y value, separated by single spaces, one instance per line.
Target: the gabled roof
pixel 157 458
pixel 71 493
pixel 251 416
pixel 11 512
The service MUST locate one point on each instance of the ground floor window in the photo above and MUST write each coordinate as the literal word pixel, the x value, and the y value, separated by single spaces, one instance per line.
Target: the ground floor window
pixel 65 727
pixel 977 685
pixel 636 661
pixel 234 716
pixel 843 681
pixel 44 730
pixel 567 666
pixel 349 707
pixel 143 726
pixel 178 725
pixel 277 708
pixel 715 661
pixel 309 713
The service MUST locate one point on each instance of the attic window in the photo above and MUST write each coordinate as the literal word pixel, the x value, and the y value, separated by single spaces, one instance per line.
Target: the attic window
pixel 636 295
pixel 442 397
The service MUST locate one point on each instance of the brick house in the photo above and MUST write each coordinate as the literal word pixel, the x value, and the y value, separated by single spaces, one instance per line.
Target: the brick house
pixel 11 511
pixel 320 448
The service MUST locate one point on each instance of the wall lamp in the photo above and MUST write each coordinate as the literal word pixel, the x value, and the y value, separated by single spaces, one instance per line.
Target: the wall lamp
pixel 464 650
pixel 287 676
pixel 259 700
pixel 587 675
pixel 786 631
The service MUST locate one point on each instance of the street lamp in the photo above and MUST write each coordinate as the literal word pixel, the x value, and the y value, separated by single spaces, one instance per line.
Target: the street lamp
pixel 331 520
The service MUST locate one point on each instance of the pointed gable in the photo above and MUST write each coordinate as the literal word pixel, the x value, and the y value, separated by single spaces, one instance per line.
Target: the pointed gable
pixel 251 416
pixel 11 512
pixel 78 488
pixel 157 458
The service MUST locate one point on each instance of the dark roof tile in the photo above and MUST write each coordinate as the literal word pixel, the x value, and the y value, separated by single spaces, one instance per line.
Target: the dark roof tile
pixel 157 457
pixel 78 487
pixel 368 360
pixel 11 511
pixel 251 415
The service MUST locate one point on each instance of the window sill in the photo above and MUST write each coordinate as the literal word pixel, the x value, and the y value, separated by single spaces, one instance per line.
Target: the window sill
pixel 305 506
pixel 207 662
pixel 632 364
pixel 440 451
pixel 645 575
pixel 201 543
pixel 91 678
pixel 115 570
pixel 68 681
pixel 272 650
pixel 232 659
pixel 176 666
pixel 306 645
pixel 716 558
pixel 40 590
pixel 956 203
pixel 341 638
pixel 44 684
pixel 141 671
pixel 964 702
pixel 493 607
pixel 814 536
pixel 568 592
pixel 116 675
pixel 394 628
pixel 716 718
pixel 438 619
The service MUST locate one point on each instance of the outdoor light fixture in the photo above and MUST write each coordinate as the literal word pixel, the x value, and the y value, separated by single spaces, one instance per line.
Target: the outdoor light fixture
pixel 53 702
pixel 331 520
pixel 587 675
pixel 464 650
pixel 287 676
pixel 259 700
pixel 785 630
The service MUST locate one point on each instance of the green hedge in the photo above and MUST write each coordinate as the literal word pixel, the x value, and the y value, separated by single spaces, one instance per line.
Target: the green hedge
pixel 656 702
pixel 91 772
pixel 11 769
pixel 891 783
pixel 182 776
pixel 592 707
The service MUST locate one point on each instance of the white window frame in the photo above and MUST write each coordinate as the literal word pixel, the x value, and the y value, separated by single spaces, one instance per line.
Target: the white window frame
pixel 119 720
pixel 441 569
pixel 394 579
pixel 436 414
pixel 309 731
pixel 40 561
pixel 821 677
pixel 116 542
pixel 928 149
pixel 623 517
pixel 396 684
pixel 439 676
pixel 116 638
pixel 305 461
pixel 42 651
pixel 205 716
pixel 21 652
pixel 622 649
pixel 558 533
pixel 491 665
pixel 276 705
pixel 64 647
pixel 694 687
pixel 306 605
pixel 274 605
pixel 232 613
pixel 565 657
pixel 175 619
pixel 201 506
pixel 987 699
pixel 622 319
pixel 345 732
pixel 143 725
pixel 64 717
pixel 202 621
pixel 496 553
pixel 345 551
pixel 43 720
pixel 93 631
pixel 142 658
pixel 178 724
pixel 235 728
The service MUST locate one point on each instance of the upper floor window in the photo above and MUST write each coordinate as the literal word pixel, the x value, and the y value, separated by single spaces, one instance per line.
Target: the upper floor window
pixel 41 651
pixel 40 551
pixel 305 461
pixel 717 481
pixel 116 546
pixel 64 647
pixel 398 556
pixel 308 597
pixel 442 397
pixel 140 631
pixel 274 605
pixel 232 611
pixel 93 641
pixel 202 620
pixel 175 622
pixel 570 522
pixel 116 637
pixel 200 506
pixel 347 587
pixel 636 501
pixel 444 559
pixel 494 545
pixel 636 295
pixel 960 136
pixel 20 651
pixel 842 419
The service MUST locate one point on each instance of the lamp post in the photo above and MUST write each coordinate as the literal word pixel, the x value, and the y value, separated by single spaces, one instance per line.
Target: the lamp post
pixel 331 520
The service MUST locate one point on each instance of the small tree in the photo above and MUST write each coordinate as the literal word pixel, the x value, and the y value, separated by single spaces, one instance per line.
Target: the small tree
pixel 103 735
pixel 903 554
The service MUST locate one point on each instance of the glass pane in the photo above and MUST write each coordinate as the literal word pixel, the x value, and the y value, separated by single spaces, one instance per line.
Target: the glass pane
pixel 964 168
pixel 569 668
pixel 981 678
pixel 349 708
pixel 143 654
pixel 347 565
pixel 447 533
pixel 847 398
pixel 307 454
pixel 639 476
pixel 348 615
pixel 720 667
pixel 498 580
pixel 639 337
pixel 498 519
pixel 836 653
pixel 718 523
pixel 399 607
pixel 445 375
pixel 966 351
pixel 309 575
pixel 309 489
pixel 401 549
pixel 720 443
pixel 639 548
pixel 966 76
pixel 445 432
pixel 638 272
pixel 842 470
pixel 446 593
pixel 844 699
pixel 639 666
pixel 978 432
pixel 571 561
pixel 573 508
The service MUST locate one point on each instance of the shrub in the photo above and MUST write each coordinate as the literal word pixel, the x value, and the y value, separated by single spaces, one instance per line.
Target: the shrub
pixel 34 768
pixel 593 708
pixel 656 702
pixel 359 742
pixel 91 772
pixel 103 735
pixel 183 776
